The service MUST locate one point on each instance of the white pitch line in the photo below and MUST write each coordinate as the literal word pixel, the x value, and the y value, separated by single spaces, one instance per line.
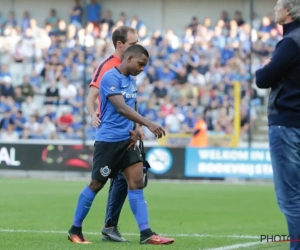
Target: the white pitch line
pixel 237 246
pixel 132 234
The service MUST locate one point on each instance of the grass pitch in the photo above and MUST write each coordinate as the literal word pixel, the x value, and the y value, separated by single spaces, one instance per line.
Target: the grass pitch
pixel 36 214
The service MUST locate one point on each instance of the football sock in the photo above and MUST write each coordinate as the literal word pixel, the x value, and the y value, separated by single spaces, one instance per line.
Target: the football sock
pixel 138 207
pixel 84 204
pixel 146 234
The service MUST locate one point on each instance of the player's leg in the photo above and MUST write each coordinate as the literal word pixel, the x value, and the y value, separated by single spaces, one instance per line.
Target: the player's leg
pixel 84 204
pixel 116 197
pixel 100 174
pixel 134 176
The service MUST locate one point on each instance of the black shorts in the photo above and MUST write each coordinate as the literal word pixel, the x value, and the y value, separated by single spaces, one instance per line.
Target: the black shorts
pixel 112 157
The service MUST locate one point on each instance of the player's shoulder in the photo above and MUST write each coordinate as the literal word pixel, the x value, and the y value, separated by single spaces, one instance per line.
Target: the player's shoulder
pixel 102 68
pixel 110 62
pixel 111 74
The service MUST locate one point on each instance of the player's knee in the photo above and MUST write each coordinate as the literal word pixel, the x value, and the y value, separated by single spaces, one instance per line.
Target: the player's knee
pixel 135 184
pixel 96 186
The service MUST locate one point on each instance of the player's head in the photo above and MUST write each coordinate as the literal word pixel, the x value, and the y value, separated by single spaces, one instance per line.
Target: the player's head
pixel 135 58
pixel 123 37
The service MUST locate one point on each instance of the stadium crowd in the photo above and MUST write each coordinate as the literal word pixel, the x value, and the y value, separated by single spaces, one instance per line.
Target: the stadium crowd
pixel 45 69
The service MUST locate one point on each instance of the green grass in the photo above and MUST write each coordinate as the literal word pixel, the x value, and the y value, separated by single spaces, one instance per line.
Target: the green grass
pixel 174 209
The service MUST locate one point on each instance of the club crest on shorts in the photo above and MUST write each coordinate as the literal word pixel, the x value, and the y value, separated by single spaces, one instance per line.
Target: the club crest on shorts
pixel 105 171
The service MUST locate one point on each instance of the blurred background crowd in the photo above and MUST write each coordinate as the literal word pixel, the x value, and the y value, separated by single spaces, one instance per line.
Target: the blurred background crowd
pixel 45 71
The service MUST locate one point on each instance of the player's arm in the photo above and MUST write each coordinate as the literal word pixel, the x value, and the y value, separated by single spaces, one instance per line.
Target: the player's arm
pixel 129 113
pixel 137 125
pixel 90 105
pixel 110 88
pixel 124 110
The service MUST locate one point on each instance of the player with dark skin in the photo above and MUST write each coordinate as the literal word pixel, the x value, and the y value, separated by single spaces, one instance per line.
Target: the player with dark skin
pixel 123 37
pixel 132 65
pixel 114 149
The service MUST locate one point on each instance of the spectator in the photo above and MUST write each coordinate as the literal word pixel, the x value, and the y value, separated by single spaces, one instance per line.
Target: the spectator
pixel 93 12
pixel 238 18
pixel 52 21
pixel 26 88
pixel 19 120
pixel 188 125
pixel 150 112
pixel 196 78
pixel 143 97
pixel 173 122
pixel 32 125
pixel 47 127
pixel 67 92
pixel 28 107
pixel 6 89
pixel 39 66
pixel 53 69
pixel 35 81
pixel 108 20
pixel 9 135
pixel 6 120
pixel 122 20
pixel 38 135
pixel 50 112
pixel 4 73
pixel 76 14
pixel 160 91
pixel 70 134
pixel 194 24
pixel 25 23
pixel 189 92
pixel 136 23
pixel 11 20
pixel 19 99
pixel 52 94
pixel 78 102
pixel 65 121
pixel 3 104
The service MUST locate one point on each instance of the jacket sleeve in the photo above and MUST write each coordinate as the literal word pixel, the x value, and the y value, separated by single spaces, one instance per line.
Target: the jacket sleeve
pixel 285 56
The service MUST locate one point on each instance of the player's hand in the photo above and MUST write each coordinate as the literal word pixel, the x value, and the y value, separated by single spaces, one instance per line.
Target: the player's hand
pixel 96 120
pixel 134 136
pixel 267 61
pixel 157 130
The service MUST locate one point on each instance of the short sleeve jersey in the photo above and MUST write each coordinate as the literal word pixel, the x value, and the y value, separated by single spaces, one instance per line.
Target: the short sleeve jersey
pixel 115 127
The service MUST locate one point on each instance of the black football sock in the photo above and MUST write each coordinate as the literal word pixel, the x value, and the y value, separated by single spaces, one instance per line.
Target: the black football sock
pixel 75 230
pixel 145 234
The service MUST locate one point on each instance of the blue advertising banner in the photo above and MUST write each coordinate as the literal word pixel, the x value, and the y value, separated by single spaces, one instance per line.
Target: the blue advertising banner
pixel 228 163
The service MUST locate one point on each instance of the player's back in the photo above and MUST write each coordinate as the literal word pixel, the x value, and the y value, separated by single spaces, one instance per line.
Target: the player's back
pixel 115 127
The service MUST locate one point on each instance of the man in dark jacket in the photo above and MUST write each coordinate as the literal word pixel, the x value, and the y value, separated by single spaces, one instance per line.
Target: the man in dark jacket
pixel 282 74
